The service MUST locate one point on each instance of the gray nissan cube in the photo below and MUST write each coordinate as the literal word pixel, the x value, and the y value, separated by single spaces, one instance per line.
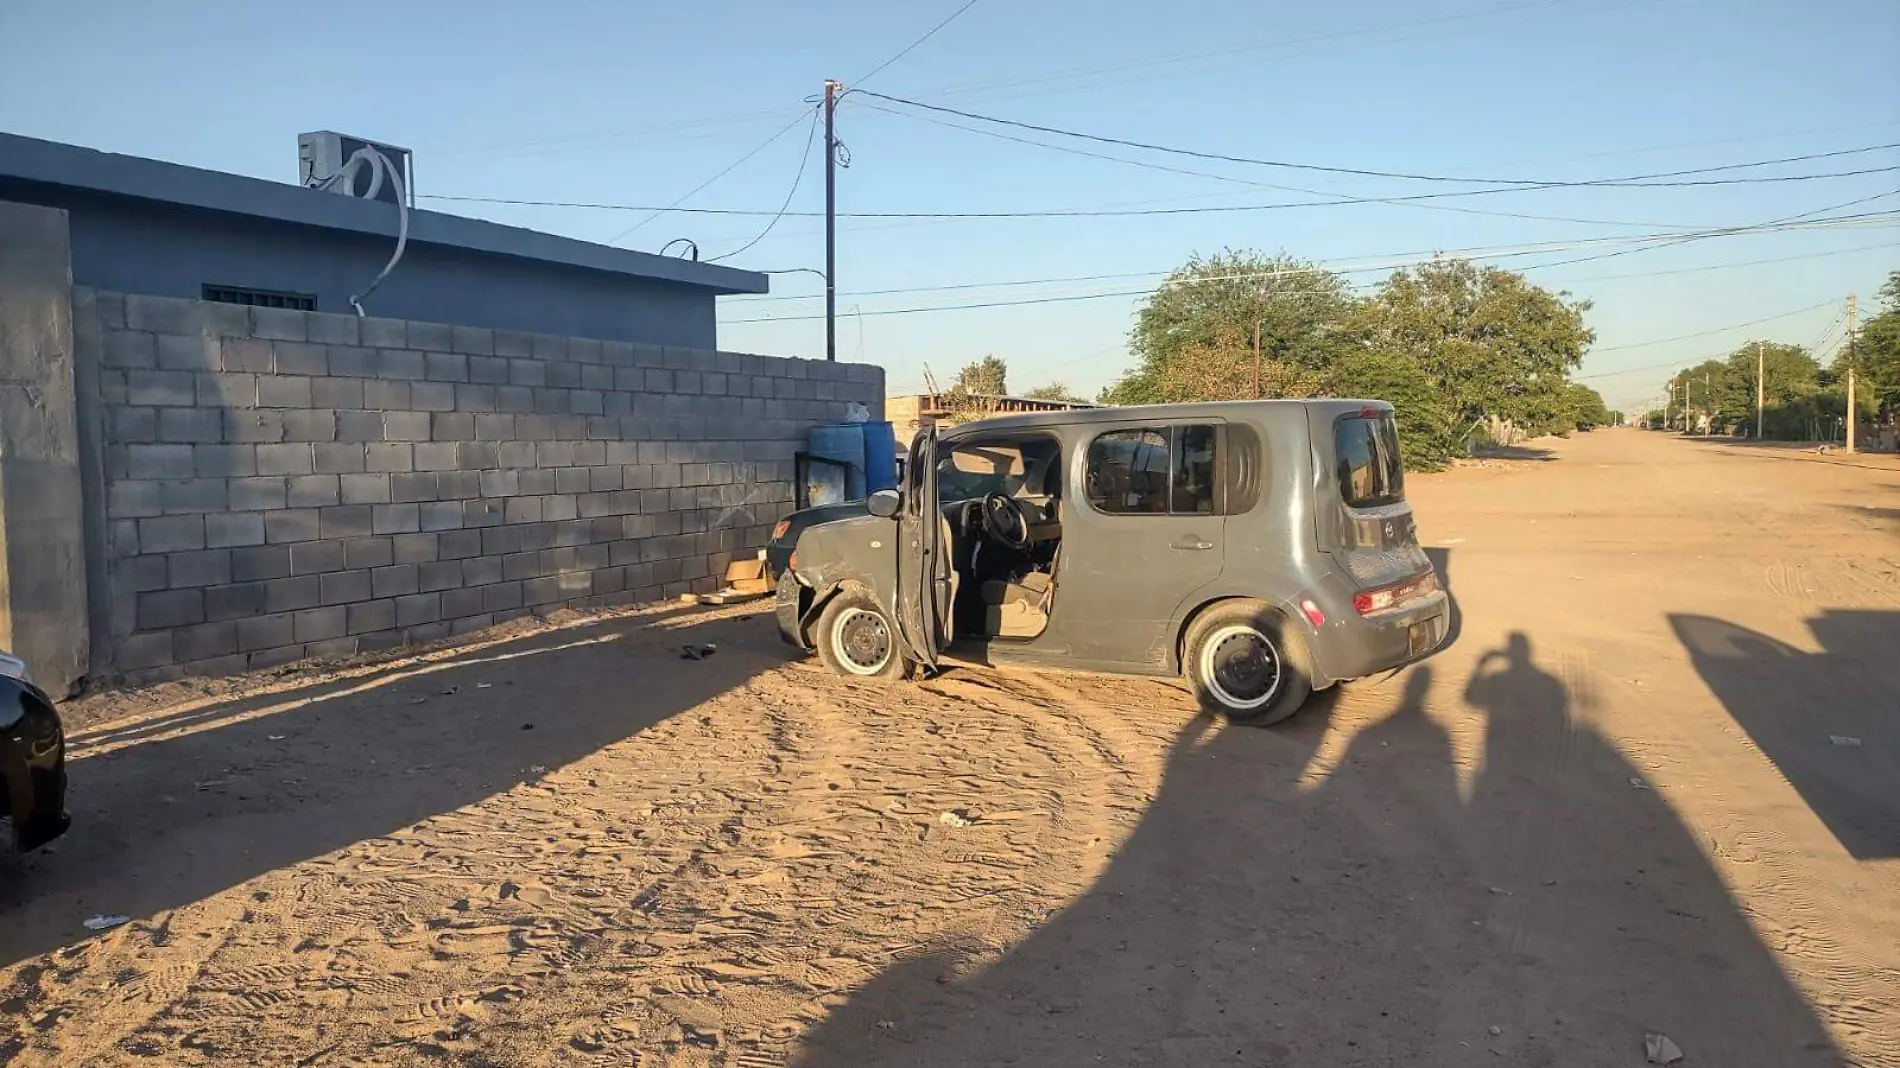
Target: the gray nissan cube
pixel 1260 549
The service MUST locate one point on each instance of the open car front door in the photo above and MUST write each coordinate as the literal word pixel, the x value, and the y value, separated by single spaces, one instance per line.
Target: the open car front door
pixel 924 574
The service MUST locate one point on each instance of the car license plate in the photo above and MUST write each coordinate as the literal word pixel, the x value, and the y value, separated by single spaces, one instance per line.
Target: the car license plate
pixel 1426 634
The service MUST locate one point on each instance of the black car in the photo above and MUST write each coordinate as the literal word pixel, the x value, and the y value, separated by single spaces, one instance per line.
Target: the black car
pixel 32 759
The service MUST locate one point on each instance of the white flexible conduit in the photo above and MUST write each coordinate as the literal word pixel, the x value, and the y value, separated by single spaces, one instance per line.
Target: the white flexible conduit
pixel 381 169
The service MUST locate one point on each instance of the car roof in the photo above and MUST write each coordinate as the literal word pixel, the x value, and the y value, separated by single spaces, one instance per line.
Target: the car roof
pixel 1246 411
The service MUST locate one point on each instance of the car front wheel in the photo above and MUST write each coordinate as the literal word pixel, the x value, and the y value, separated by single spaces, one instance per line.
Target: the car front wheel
pixel 1245 664
pixel 855 637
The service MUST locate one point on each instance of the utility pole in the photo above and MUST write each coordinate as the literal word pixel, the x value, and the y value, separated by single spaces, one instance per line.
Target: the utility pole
pixel 1761 392
pixel 1853 416
pixel 1256 360
pixel 1708 405
pixel 831 222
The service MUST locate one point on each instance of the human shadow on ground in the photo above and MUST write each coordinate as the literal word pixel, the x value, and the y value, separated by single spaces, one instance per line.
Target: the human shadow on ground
pixel 1395 905
pixel 1830 720
pixel 1512 452
pixel 161 820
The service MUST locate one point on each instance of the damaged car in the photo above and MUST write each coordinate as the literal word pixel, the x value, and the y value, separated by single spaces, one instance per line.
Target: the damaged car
pixel 1261 550
pixel 32 759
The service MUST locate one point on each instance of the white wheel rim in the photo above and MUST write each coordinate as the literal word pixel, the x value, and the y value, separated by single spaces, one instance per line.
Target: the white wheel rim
pixel 1258 645
pixel 848 634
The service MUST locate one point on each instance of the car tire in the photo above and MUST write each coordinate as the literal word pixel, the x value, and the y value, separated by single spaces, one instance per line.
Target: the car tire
pixel 1246 664
pixel 855 637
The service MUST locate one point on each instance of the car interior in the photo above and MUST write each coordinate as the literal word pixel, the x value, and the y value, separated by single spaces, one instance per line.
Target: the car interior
pixel 1002 500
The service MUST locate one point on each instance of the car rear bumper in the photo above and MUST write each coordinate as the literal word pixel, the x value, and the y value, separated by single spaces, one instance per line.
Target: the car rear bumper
pixel 1351 646
pixel 32 766
pixel 788 610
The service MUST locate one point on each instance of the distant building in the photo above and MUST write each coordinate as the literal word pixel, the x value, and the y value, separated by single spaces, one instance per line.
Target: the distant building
pixel 145 227
pixel 912 412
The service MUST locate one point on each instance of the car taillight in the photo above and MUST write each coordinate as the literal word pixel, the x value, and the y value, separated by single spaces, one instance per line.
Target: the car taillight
pixel 1312 613
pixel 779 530
pixel 1367 602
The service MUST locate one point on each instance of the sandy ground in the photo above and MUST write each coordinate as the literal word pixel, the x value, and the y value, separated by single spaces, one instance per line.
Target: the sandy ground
pixel 1653 786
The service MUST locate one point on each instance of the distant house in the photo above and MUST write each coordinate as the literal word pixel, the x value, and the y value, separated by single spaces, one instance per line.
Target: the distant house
pixel 912 412
pixel 146 227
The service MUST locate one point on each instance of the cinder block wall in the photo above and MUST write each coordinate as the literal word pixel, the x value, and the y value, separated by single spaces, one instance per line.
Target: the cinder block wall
pixel 282 484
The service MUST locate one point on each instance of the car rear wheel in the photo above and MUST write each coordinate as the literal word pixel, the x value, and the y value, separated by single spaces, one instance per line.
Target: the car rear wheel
pixel 855 637
pixel 1245 664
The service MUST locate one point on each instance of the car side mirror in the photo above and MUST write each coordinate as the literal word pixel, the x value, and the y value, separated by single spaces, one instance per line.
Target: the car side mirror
pixel 884 503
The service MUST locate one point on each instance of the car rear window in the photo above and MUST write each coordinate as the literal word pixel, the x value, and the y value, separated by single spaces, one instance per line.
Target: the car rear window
pixel 1371 472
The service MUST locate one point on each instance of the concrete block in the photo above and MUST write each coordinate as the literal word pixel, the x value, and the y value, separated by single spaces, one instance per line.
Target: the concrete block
pixel 283 391
pixel 161 388
pixel 590 453
pixel 338 458
pixel 178 533
pixel 261 494
pixel 189 496
pixel 513 343
pixel 515 399
pixel 288 594
pixel 502 482
pixel 523 510
pixel 395 518
pixel 371 616
pixel 280 324
pixel 460 544
pixel 383 333
pixel 490 370
pixel 359 426
pixel 436 336
pixel 249 355
pixel 292 458
pixel 571 480
pixel 131 498
pixel 128 350
pixel 477 455
pixel 361 553
pixel 446 367
pixel 195 352
pixel 479 513
pixel 319 624
pixel 441 515
pixel 265 632
pixel 349 361
pixel 395 457
pixel 462 604
pixel 530 372
pixel 344 587
pixel 541 591
pixel 501 597
pixel 234 601
pixel 301 358
pixel 502 541
pixel 407 487
pixel 290 525
pixel 432 396
pixel 452 426
pixel 435 456
pixel 158 461
pixel 549 346
pixel 170 608
pixel 223 461
pixel 345 521
pixel 549 401
pixel 399 363
pixel 474 398
pixel 334 329
pixel 234 528
pixel 328 392
pixel 380 395
pixel 418 608
pixel 394 580
pixel 126 425
pixel 363 488
pixel 248 425
pixel 564 375
pixel 310 425
pixel 312 491
pixel 414 548
pixel 586 402
pixel 140 574
pixel 211 567
pixel 481 570
pixel 406 426
pixel 333 649
pixel 439 575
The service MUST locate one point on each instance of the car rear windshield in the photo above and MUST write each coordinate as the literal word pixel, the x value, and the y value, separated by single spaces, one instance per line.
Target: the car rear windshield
pixel 1370 471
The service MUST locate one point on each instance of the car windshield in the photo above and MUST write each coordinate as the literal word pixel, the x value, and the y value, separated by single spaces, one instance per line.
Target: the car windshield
pixel 972 471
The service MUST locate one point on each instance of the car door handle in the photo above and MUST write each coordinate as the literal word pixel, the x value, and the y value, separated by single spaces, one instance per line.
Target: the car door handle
pixel 1192 542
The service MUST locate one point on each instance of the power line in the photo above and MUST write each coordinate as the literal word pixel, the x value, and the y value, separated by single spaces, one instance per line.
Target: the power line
pixel 734 165
pixel 804 157
pixel 1776 222
pixel 1706 333
pixel 1644 180
pixel 906 50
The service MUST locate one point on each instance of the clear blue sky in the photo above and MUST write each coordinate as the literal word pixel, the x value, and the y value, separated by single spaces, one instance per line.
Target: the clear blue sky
pixel 595 101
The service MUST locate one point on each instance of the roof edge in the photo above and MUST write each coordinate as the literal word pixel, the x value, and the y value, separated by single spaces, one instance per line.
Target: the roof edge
pixel 55 163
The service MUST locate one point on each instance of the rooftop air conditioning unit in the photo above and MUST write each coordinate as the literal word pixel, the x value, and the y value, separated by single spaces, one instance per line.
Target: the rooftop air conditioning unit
pixel 322 156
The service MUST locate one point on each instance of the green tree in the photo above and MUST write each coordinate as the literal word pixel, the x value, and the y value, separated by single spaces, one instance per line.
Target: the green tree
pixel 1054 391
pixel 1875 353
pixel 1372 374
pixel 1587 407
pixel 1791 388
pixel 1195 332
pixel 988 376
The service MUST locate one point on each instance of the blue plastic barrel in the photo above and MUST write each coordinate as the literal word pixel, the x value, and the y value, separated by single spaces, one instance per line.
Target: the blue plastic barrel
pixel 880 457
pixel 843 442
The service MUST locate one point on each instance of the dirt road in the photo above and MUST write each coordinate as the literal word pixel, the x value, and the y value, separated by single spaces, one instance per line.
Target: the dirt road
pixel 1653 786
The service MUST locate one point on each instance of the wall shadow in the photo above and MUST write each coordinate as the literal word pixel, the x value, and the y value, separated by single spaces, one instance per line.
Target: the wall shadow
pixel 1543 910
pixel 1511 452
pixel 1830 721
pixel 160 822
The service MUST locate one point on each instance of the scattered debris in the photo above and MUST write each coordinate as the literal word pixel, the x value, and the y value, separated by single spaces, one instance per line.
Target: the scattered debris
pixel 276 737
pixel 106 923
pixel 957 817
pixel 1638 783
pixel 1496 1030
pixel 1660 1050
pixel 697 652
pixel 484 685
pixel 527 726
pixel 1500 891
pixel 1847 740
pixel 451 691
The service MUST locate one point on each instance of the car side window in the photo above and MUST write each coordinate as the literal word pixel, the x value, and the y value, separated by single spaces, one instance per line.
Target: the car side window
pixel 1153 471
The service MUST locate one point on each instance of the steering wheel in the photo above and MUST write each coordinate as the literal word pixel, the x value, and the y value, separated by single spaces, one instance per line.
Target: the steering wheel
pixel 1005 521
